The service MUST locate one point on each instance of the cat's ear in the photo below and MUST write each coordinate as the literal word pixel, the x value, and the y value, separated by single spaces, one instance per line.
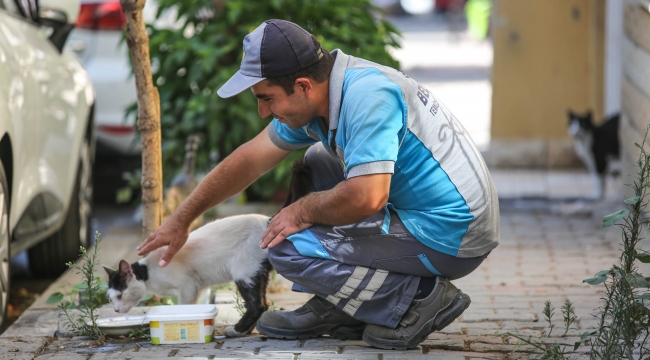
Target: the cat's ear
pixel 109 271
pixel 125 269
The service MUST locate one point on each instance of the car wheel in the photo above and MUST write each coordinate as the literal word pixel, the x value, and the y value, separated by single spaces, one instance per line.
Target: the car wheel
pixel 4 245
pixel 49 257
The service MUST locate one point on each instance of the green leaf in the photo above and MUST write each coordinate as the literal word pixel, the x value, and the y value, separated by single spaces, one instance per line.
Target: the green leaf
pixel 123 195
pixel 595 280
pixel 67 305
pixel 632 200
pixel 643 257
pixel 612 219
pixel 644 296
pixel 80 287
pixel 54 298
pixel 603 273
pixel 586 335
pixel 637 281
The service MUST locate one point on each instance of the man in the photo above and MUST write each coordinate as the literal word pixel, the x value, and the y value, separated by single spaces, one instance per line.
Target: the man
pixel 403 201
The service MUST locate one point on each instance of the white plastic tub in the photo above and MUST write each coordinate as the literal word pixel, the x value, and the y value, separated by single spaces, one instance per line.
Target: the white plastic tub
pixel 182 324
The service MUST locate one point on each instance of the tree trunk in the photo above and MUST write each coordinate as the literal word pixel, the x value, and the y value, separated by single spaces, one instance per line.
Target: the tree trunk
pixel 148 115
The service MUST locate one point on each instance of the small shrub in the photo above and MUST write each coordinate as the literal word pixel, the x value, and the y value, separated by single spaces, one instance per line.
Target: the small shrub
pixel 85 324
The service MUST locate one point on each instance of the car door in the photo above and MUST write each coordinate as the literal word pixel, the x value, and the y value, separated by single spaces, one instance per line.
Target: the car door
pixel 47 96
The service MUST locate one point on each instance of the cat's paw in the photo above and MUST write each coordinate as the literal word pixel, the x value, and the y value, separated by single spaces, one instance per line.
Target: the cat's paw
pixel 231 332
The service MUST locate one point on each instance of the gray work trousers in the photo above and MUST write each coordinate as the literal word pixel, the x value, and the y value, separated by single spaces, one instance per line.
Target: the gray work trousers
pixel 371 269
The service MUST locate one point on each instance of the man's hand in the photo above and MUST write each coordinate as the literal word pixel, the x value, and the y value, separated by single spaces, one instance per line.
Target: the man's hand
pixel 172 234
pixel 287 222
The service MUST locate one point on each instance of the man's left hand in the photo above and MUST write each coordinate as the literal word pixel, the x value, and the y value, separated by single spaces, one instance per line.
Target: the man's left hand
pixel 287 222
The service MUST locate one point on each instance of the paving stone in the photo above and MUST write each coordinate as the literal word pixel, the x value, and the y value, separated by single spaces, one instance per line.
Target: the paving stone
pixel 19 348
pixel 33 323
pixel 541 257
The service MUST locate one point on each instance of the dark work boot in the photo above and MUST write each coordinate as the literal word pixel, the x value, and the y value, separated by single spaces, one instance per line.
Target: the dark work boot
pixel 317 317
pixel 424 316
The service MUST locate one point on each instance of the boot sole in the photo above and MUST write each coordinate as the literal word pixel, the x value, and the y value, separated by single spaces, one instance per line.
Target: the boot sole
pixel 439 322
pixel 341 332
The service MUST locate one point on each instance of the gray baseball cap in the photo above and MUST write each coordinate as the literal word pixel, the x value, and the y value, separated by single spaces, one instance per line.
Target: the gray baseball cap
pixel 275 48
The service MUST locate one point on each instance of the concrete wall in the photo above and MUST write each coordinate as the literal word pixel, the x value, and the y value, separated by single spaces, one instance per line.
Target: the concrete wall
pixel 548 57
pixel 635 92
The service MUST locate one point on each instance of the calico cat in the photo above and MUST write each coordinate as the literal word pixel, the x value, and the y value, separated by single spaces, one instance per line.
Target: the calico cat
pixel 596 145
pixel 219 252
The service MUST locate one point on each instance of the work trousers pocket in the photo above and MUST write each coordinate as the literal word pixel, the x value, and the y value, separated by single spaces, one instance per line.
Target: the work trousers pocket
pixel 410 265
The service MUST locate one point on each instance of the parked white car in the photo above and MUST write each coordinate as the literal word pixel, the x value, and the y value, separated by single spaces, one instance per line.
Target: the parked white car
pixel 97 40
pixel 46 139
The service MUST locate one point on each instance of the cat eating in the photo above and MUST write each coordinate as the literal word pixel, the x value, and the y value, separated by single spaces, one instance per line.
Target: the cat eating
pixel 219 252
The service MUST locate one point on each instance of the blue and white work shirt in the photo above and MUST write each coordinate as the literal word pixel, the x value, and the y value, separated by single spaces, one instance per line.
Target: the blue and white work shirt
pixel 382 121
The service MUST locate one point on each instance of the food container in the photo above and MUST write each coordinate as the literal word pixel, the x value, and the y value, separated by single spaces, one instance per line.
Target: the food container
pixel 181 324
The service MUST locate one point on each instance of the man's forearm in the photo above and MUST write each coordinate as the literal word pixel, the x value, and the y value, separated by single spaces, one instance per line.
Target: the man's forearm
pixel 342 205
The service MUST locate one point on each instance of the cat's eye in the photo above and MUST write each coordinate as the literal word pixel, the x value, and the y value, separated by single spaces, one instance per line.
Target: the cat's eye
pixel 119 297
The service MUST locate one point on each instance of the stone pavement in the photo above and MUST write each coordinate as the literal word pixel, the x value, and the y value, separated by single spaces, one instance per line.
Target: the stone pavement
pixel 544 254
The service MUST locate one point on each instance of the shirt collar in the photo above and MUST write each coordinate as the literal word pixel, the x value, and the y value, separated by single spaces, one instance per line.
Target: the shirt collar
pixel 336 86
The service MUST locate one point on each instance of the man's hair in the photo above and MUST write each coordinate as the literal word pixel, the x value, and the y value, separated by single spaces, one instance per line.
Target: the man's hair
pixel 319 71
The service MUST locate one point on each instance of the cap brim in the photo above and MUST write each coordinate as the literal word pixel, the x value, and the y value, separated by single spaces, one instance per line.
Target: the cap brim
pixel 237 83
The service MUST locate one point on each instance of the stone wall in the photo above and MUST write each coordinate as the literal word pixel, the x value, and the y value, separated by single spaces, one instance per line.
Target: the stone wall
pixel 635 97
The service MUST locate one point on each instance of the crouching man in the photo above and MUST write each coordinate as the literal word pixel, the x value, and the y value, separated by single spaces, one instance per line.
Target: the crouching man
pixel 403 202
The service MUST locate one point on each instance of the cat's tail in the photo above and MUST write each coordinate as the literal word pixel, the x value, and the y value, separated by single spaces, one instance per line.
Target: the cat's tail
pixel 191 147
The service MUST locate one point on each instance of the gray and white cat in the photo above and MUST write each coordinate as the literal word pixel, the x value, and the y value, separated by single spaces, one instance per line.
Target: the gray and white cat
pixel 219 252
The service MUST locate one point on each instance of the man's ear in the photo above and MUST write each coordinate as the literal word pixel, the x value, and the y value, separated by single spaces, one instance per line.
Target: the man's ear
pixel 109 271
pixel 304 85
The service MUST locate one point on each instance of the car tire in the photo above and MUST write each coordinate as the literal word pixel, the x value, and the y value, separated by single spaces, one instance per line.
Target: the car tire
pixel 4 246
pixel 48 258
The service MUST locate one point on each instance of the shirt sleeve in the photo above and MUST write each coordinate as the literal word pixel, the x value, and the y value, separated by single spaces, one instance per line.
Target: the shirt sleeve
pixel 287 139
pixel 372 123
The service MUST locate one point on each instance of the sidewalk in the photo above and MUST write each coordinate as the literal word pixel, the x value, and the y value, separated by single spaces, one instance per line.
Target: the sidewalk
pixel 544 254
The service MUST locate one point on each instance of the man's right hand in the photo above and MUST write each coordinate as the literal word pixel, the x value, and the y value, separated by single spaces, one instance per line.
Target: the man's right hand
pixel 171 234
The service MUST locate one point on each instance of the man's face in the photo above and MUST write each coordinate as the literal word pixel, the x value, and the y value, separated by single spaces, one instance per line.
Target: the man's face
pixel 295 110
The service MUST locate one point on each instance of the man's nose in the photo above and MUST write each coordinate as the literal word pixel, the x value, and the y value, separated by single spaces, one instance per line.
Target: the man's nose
pixel 263 108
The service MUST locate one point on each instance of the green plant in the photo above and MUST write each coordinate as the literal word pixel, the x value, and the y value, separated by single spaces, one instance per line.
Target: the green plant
pixel 85 323
pixel 624 324
pixel 191 63
pixel 125 194
pixel 141 333
pixel 77 294
pixel 543 351
pixel 549 311
pixel 569 316
pixel 239 303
